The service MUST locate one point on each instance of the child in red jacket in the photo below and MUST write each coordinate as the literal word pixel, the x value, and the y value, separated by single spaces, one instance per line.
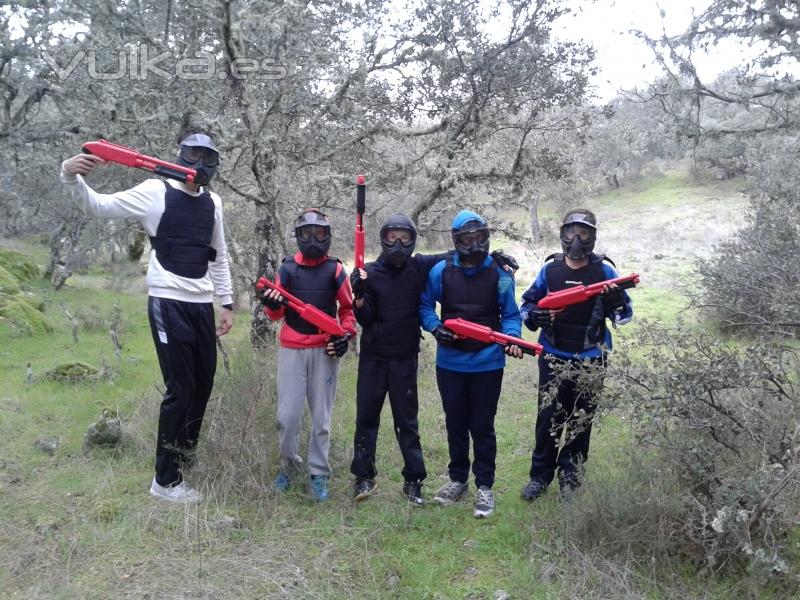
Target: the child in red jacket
pixel 308 365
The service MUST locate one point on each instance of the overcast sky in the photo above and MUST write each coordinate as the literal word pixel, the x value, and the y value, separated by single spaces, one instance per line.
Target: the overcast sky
pixel 624 61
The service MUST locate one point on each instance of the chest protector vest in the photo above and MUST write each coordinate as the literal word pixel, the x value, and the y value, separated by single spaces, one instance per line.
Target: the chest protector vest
pixel 580 326
pixel 473 298
pixel 183 238
pixel 395 292
pixel 313 285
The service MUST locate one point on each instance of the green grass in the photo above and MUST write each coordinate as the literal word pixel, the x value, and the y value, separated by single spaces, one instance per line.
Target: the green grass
pixel 80 524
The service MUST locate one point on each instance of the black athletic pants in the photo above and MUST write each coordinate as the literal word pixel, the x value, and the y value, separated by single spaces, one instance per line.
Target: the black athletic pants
pixel 470 404
pixel 550 424
pixel 185 339
pixel 375 378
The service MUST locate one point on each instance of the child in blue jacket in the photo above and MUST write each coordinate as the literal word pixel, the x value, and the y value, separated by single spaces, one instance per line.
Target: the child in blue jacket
pixel 471 285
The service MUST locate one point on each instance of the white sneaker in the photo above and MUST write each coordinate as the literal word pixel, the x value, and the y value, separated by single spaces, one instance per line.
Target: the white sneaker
pixel 182 493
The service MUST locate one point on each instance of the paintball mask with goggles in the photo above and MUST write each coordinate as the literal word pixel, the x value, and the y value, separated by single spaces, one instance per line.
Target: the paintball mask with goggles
pixel 313 232
pixel 472 241
pixel 199 153
pixel 398 239
pixel 578 233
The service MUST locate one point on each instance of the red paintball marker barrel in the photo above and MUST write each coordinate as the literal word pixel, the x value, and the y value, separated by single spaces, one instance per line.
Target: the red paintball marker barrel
pixel 133 158
pixel 582 293
pixel 361 206
pixel 482 333
pixel 307 312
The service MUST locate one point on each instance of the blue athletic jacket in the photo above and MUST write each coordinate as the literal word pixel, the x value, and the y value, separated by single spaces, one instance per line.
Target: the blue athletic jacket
pixel 491 357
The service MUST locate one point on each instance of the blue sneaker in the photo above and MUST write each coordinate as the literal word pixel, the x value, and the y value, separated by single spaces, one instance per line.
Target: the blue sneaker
pixel 281 482
pixel 318 486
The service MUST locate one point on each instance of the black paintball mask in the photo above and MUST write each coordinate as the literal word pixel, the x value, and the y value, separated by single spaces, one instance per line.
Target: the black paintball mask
pixel 398 239
pixel 199 153
pixel 472 242
pixel 313 233
pixel 578 233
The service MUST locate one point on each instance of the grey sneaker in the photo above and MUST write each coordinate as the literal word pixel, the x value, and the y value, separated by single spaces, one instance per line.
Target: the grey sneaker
pixel 450 493
pixel 484 502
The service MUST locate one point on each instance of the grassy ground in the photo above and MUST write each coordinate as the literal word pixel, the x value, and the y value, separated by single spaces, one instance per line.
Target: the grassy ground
pixel 79 524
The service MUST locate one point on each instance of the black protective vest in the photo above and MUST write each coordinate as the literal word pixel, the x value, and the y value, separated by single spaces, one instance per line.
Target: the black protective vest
pixel 473 298
pixel 580 326
pixel 315 285
pixel 183 238
pixel 395 331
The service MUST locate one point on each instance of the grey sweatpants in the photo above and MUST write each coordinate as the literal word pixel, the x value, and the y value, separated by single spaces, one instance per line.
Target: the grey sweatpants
pixel 306 374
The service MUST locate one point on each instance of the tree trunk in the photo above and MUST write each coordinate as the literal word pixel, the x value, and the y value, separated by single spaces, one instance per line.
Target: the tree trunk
pixel 270 254
pixel 536 228
pixel 136 246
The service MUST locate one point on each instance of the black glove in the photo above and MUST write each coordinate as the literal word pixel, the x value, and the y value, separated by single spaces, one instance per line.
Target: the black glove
pixel 357 284
pixel 269 302
pixel 538 317
pixel 340 344
pixel 444 336
pixel 613 300
pixel 505 260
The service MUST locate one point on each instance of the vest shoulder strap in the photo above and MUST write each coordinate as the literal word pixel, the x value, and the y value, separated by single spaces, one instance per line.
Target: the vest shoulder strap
pixel 559 257
pixel 555 257
pixel 603 257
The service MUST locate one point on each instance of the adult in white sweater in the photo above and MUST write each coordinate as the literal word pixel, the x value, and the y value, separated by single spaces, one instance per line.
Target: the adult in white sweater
pixel 188 266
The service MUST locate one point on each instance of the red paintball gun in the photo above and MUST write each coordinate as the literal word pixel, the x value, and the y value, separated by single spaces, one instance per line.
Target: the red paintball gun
pixel 361 206
pixel 581 293
pixel 311 314
pixel 474 331
pixel 133 158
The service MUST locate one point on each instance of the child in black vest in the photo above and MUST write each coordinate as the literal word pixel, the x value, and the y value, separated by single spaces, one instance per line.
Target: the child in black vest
pixel 570 337
pixel 308 365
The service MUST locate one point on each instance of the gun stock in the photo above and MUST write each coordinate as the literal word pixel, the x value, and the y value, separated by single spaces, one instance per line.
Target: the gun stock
pixel 129 157
pixel 307 312
pixel 475 331
pixel 582 293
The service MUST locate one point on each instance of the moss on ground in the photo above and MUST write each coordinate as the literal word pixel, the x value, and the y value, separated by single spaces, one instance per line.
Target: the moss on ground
pixel 20 266
pixel 23 311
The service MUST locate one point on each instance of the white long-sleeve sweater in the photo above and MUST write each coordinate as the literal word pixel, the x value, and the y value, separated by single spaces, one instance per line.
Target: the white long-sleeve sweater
pixel 145 203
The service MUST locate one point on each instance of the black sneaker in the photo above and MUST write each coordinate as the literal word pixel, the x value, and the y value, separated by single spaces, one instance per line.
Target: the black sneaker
pixel 534 489
pixel 568 487
pixel 363 489
pixel 413 491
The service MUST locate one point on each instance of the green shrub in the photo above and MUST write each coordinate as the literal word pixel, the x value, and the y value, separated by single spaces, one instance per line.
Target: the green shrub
pixel 749 283
pixel 718 425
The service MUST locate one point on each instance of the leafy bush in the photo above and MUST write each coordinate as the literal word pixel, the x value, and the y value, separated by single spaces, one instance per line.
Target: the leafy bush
pixel 750 282
pixel 718 430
